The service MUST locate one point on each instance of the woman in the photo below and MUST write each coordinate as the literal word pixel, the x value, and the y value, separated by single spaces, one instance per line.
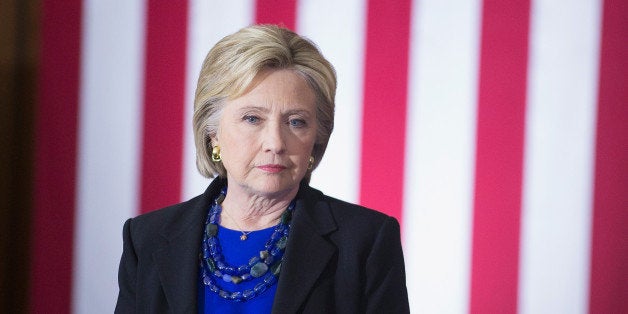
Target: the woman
pixel 260 239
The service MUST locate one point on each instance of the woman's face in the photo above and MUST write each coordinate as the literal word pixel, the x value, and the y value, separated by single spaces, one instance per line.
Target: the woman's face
pixel 267 135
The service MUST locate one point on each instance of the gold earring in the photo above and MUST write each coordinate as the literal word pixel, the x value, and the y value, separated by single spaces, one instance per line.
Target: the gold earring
pixel 216 154
pixel 310 163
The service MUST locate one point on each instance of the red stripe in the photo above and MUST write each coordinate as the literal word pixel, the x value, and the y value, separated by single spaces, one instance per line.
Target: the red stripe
pixel 385 102
pixel 55 158
pixel 164 86
pixel 499 160
pixel 280 12
pixel 609 264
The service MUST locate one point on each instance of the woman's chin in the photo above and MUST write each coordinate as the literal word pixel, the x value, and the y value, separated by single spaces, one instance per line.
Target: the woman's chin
pixel 267 185
pixel 276 187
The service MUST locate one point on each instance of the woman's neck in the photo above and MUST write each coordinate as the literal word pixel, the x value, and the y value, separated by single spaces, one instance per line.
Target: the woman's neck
pixel 247 211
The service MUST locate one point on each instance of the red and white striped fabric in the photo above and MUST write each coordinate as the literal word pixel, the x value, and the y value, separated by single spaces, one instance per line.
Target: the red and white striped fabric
pixel 495 131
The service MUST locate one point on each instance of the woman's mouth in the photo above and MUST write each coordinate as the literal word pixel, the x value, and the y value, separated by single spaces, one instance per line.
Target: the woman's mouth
pixel 271 168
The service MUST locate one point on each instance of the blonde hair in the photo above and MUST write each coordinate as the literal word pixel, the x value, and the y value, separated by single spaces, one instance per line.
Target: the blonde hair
pixel 230 68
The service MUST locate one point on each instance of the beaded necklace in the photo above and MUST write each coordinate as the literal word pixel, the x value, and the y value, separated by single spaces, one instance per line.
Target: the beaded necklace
pixel 264 267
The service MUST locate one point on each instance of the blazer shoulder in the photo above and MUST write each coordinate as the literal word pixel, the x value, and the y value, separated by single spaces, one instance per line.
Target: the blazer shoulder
pixel 347 215
pixel 163 215
pixel 167 222
pixel 180 212
pixel 345 210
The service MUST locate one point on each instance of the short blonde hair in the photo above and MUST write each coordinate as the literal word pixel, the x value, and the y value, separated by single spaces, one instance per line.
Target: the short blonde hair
pixel 230 68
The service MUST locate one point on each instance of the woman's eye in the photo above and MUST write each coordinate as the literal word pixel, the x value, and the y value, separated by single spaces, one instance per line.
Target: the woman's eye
pixel 298 123
pixel 251 119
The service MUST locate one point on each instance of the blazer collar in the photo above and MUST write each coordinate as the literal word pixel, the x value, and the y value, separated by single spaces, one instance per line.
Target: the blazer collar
pixel 308 251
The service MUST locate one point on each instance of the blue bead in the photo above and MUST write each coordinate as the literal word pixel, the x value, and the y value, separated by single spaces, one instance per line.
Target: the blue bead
pixel 213 288
pixel 229 270
pixel 269 279
pixel 226 278
pixel 236 296
pixel 214 250
pixel 254 260
pixel 248 294
pixel 259 288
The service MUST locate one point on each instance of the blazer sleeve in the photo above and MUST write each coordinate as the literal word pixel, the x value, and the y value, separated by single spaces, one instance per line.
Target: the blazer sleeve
pixel 386 290
pixel 127 273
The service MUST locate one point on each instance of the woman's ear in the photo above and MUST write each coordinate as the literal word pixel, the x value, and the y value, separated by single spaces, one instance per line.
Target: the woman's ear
pixel 213 140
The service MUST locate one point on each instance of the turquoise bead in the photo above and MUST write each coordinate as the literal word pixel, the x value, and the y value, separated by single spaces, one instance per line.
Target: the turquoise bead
pixel 276 269
pixel 281 244
pixel 220 198
pixel 259 269
pixel 210 265
pixel 286 217
pixel 211 230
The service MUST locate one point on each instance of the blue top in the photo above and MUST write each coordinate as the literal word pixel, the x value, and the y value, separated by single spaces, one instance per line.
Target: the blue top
pixel 236 253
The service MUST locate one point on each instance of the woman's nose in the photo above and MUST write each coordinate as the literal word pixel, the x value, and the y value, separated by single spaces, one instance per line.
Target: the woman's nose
pixel 273 138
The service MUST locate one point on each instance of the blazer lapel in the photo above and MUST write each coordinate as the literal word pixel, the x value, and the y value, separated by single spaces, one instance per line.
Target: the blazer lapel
pixel 178 271
pixel 307 253
pixel 177 262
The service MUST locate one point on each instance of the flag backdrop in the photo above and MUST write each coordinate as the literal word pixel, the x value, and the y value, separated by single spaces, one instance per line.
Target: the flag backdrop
pixel 495 131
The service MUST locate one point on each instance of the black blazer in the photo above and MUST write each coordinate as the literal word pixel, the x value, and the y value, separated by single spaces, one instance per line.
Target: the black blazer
pixel 340 258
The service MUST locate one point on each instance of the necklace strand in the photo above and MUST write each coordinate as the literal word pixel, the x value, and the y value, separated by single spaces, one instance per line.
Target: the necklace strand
pixel 265 267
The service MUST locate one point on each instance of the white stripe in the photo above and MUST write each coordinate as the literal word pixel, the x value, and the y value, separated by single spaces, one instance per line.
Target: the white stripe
pixel 338 28
pixel 557 196
pixel 440 154
pixel 109 143
pixel 209 21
